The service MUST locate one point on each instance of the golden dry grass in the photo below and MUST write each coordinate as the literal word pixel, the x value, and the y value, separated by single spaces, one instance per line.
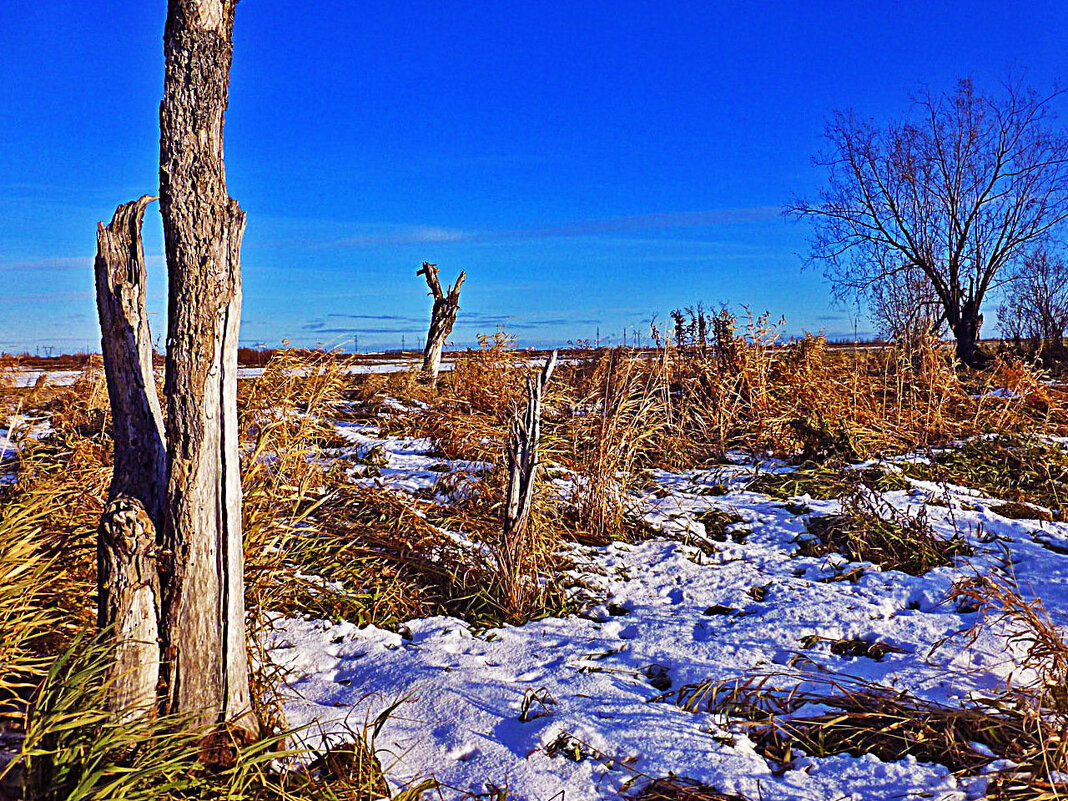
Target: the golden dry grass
pixel 318 544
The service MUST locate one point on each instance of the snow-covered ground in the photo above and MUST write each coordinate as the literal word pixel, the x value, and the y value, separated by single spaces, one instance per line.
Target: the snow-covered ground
pixel 55 378
pixel 671 614
pixel 24 378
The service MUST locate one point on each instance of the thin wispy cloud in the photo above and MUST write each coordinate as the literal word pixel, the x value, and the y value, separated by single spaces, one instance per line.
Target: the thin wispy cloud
pixel 379 317
pixel 68 264
pixel 400 235
pixel 363 330
pixel 57 263
pixel 471 321
pixel 640 222
pixel 597 226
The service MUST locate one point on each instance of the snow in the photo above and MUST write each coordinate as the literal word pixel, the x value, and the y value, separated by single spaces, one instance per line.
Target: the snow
pixel 54 378
pixel 24 378
pixel 365 368
pixel 586 679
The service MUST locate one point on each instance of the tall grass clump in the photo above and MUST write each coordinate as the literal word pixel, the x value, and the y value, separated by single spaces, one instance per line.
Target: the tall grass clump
pixel 612 432
pixel 76 750
pixel 869 529
pixel 743 387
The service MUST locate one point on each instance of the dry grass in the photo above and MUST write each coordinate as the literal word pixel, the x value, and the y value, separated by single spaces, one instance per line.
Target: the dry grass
pixel 1016 468
pixel 748 391
pixel 863 719
pixel 612 431
pixel 1026 723
pixel 683 789
pixel 317 544
pixel 826 482
pixel 871 530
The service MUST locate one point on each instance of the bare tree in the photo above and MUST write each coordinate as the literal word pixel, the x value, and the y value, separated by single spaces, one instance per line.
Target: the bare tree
pixel 905 307
pixel 442 319
pixel 1036 303
pixel 960 190
pixel 197 514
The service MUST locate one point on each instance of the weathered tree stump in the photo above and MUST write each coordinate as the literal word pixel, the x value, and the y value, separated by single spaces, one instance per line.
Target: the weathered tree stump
pixel 128 588
pixel 171 561
pixel 128 609
pixel 126 342
pixel 522 460
pixel 442 319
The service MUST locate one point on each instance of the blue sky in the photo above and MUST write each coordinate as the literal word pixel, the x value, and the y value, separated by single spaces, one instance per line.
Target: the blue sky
pixel 588 163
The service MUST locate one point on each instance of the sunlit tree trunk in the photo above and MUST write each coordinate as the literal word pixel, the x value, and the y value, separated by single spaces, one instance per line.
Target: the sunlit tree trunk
pixel 205 667
pixel 442 319
pixel 128 593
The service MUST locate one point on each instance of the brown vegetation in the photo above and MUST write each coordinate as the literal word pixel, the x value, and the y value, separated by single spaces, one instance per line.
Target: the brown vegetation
pixel 383 557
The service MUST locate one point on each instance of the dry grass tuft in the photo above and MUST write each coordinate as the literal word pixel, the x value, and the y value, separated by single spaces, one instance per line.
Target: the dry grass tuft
pixel 871 530
pixel 613 431
pixel 678 788
pixel 1015 468
pixel 864 719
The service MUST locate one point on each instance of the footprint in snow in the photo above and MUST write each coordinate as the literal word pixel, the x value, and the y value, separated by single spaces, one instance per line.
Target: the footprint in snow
pixel 463 753
pixel 675 596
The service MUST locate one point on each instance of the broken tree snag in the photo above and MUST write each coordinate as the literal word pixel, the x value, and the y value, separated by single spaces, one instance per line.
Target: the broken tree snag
pixel 442 319
pixel 128 610
pixel 126 342
pixel 522 461
pixel 127 583
pixel 205 667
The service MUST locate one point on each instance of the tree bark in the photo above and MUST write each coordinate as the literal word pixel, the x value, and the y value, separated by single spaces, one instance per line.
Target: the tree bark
pixel 442 319
pixel 128 610
pixel 128 586
pixel 126 342
pixel 205 666
pixel 966 326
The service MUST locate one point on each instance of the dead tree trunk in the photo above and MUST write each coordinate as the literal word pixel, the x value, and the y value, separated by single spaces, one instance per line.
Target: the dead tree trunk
pixel 128 607
pixel 522 460
pixel 205 667
pixel 442 319
pixel 128 597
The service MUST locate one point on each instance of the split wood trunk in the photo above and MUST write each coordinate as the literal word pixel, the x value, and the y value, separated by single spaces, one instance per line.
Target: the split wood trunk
pixel 128 587
pixel 442 320
pixel 126 343
pixel 205 668
pixel 522 461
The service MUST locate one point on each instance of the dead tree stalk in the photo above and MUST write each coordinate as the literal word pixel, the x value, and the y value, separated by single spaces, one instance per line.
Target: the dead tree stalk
pixel 522 460
pixel 442 319
pixel 128 604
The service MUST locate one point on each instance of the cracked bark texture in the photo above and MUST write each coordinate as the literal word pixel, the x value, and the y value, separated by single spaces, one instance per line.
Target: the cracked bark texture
pixel 205 668
pixel 126 342
pixel 128 610
pixel 442 319
pixel 128 587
